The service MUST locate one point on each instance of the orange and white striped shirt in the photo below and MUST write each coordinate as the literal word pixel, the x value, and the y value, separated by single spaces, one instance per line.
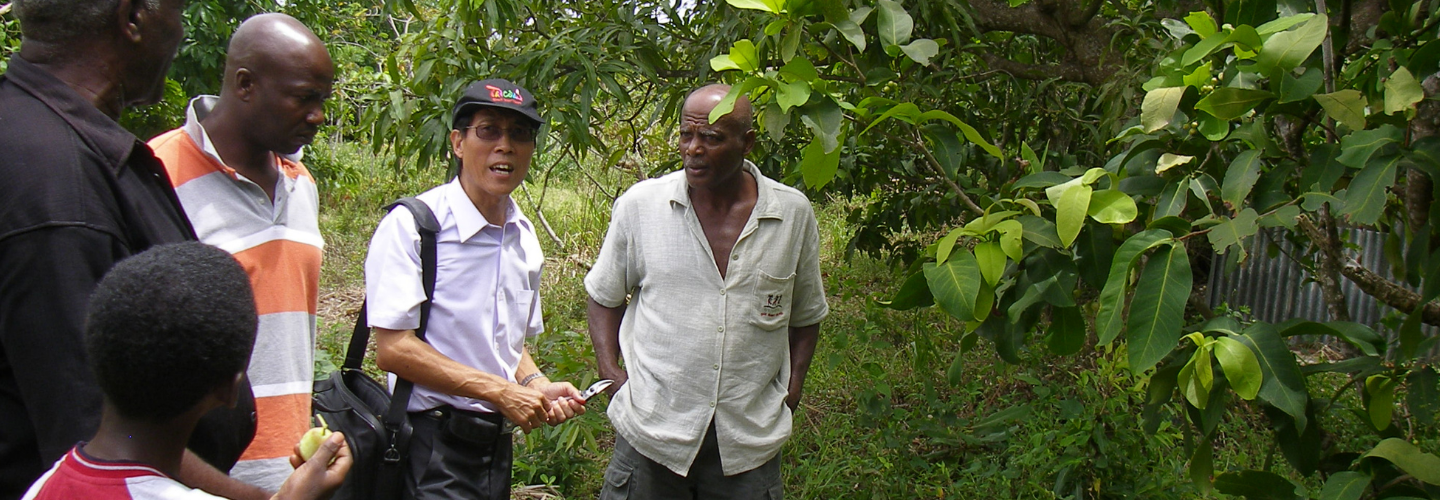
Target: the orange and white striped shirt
pixel 280 247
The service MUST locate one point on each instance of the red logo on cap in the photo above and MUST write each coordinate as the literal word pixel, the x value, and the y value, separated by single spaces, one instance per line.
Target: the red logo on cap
pixel 498 94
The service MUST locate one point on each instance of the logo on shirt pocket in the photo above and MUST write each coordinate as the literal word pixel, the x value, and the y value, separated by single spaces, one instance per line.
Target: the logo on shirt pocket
pixel 773 299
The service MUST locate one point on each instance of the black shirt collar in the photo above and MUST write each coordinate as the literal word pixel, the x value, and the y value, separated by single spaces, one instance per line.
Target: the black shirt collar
pixel 100 132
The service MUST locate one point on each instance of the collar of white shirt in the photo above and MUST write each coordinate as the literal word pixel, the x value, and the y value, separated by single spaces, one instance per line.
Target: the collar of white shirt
pixel 468 219
pixel 765 208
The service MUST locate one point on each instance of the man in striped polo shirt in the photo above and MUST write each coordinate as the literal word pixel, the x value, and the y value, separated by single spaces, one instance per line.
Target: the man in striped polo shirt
pixel 243 194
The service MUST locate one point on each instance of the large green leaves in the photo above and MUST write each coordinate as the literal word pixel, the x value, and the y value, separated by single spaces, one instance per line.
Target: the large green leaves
pixel 1229 103
pixel 1282 384
pixel 1255 485
pixel 894 24
pixel 1347 485
pixel 817 166
pixel 956 284
pixel 1402 91
pixel 1159 107
pixel 1365 200
pixel 1286 50
pixel 1345 106
pixel 1158 310
pixel 1240 178
pixel 1110 319
pixel 1407 457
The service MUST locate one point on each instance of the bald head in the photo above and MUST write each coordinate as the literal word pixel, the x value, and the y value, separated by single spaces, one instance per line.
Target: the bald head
pixel 270 43
pixel 704 99
pixel 277 78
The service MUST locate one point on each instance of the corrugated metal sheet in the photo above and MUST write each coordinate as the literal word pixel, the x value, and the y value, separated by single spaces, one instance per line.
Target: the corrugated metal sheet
pixel 1277 289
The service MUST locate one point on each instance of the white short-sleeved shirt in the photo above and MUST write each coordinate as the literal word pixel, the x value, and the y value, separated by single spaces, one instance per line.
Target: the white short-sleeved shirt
pixel 486 287
pixel 698 347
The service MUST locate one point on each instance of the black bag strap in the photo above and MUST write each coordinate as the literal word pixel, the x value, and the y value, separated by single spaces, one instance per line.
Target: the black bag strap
pixel 428 227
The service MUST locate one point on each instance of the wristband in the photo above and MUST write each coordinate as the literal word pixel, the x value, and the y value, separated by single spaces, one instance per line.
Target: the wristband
pixel 530 378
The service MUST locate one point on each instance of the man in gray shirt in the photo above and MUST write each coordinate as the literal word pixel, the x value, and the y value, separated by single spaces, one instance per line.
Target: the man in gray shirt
pixel 720 266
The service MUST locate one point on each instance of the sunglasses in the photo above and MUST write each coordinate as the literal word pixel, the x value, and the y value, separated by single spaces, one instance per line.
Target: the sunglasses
pixel 493 133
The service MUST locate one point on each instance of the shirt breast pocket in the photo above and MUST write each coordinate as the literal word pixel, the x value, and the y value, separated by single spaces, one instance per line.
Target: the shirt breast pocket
pixel 772 300
pixel 515 311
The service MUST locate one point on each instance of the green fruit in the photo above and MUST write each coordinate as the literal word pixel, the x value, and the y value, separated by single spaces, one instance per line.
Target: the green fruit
pixel 312 439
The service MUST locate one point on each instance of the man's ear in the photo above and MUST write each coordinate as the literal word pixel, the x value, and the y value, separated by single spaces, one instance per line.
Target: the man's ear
pixel 244 84
pixel 130 16
pixel 228 394
pixel 456 137
pixel 749 138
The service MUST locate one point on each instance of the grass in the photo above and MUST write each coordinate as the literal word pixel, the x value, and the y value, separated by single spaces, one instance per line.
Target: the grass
pixel 896 406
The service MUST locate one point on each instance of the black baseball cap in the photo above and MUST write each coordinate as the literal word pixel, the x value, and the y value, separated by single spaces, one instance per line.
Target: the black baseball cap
pixel 496 93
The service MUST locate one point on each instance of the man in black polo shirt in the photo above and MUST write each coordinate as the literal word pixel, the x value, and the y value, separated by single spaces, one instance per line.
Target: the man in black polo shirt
pixel 79 194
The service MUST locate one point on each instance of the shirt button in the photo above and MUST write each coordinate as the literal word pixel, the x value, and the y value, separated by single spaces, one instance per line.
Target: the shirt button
pixel 722 292
pixel 715 366
pixel 712 404
pixel 720 329
pixel 734 256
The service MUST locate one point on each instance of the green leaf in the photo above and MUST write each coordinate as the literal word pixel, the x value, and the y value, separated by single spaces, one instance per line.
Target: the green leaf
pixel 771 6
pixel 1111 206
pixel 1169 161
pixel 894 23
pixel 1041 180
pixel 1200 77
pixel 1407 457
pixel 1158 310
pixel 991 260
pixel 1359 146
pixel 1112 298
pixel 1067 331
pixel 971 134
pixel 1285 50
pixel 1202 23
pixel 1423 394
pixel 955 284
pixel 1285 216
pixel 921 50
pixel 1070 209
pixel 791 43
pixel 1159 107
pixel 1229 103
pixel 723 62
pixel 1012 234
pixel 799 69
pixel 1240 178
pixel 852 32
pixel 1040 231
pixel 1211 127
pixel 818 167
pixel 1195 378
pixel 1380 400
pixel 1365 200
pixel 1345 106
pixel 1282 385
pixel 1345 485
pixel 1402 91
pixel 824 119
pixel 727 104
pixel 1202 465
pixel 913 293
pixel 1204 48
pixel 1255 485
pixel 956 373
pixel 905 111
pixel 1294 89
pixel 1283 23
pixel 945 245
pixel 1240 366
pixel 1233 232
pixel 792 94
pixel 744 55
pixel 1173 199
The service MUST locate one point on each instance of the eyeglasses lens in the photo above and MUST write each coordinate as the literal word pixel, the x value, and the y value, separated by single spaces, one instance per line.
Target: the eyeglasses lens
pixel 493 133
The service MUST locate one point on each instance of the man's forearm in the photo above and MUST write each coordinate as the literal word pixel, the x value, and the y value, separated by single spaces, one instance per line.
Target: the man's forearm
pixel 196 473
pixel 802 350
pixel 402 353
pixel 604 325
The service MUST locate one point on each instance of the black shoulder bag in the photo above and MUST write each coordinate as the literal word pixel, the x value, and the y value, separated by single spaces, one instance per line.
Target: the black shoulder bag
pixel 375 424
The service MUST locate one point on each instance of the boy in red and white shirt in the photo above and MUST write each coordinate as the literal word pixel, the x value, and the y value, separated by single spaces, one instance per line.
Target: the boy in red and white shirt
pixel 168 337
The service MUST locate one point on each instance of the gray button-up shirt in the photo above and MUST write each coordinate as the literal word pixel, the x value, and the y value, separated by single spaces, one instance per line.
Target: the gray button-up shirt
pixel 698 347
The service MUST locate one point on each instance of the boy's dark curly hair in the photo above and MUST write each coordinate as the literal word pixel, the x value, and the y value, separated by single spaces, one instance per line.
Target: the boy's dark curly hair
pixel 167 326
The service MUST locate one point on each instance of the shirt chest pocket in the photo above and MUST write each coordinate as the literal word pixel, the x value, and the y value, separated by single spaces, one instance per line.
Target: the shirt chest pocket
pixel 772 299
pixel 513 315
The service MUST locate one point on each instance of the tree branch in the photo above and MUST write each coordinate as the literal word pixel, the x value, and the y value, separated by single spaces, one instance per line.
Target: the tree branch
pixel 1372 284
pixel 1089 13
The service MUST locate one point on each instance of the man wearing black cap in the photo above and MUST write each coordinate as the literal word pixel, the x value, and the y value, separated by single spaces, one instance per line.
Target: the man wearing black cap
pixel 472 372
